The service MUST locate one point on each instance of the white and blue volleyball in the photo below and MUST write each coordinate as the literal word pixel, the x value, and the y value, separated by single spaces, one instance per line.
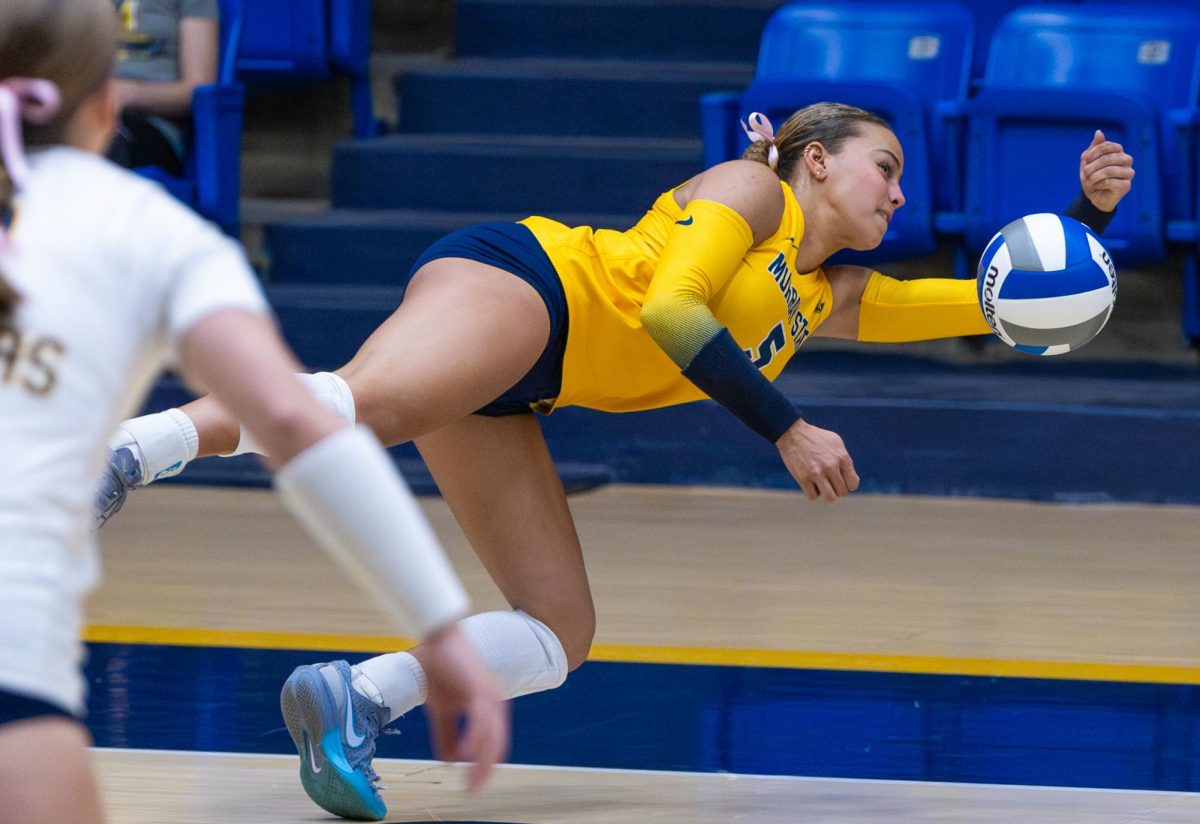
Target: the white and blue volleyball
pixel 1046 284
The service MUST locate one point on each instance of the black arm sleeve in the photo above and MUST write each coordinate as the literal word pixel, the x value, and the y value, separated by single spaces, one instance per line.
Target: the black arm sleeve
pixel 724 372
pixel 1082 210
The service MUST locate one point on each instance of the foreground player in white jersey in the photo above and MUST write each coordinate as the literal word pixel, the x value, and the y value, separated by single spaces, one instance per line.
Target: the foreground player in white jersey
pixel 103 278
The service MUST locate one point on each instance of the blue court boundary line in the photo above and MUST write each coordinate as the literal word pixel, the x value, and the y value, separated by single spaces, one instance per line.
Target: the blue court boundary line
pixel 698 718
pixel 698 656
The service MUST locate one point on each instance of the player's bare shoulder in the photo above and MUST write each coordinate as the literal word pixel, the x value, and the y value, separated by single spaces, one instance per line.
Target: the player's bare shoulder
pixel 749 188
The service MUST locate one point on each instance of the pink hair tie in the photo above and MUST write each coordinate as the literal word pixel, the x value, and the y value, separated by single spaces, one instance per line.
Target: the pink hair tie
pixel 23 99
pixel 760 129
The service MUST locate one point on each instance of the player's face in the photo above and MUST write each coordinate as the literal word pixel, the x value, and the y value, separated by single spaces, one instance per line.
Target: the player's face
pixel 864 185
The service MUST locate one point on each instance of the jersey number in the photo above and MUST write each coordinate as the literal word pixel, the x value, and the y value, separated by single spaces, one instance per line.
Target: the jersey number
pixel 771 346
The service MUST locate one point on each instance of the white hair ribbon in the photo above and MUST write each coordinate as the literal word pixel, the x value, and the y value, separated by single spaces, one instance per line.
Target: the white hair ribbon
pixel 760 129
pixel 23 99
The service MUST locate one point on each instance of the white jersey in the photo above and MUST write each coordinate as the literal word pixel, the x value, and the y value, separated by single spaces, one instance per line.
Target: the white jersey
pixel 112 271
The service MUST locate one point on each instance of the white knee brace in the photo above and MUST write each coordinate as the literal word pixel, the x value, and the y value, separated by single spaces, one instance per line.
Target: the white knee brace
pixel 523 652
pixel 326 387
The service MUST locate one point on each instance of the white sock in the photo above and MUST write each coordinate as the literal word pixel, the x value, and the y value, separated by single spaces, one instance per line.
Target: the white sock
pixel 522 651
pixel 330 389
pixel 163 442
pixel 395 680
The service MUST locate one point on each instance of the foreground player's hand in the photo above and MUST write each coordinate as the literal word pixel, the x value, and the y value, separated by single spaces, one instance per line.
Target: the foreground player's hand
pixel 818 460
pixel 1106 172
pixel 462 689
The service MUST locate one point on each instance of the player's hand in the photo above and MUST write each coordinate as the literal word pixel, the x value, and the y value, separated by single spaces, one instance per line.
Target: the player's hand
pixel 461 688
pixel 818 460
pixel 1106 172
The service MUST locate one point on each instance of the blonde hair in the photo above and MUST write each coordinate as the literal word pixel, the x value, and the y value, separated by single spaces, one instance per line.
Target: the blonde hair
pixel 830 124
pixel 71 43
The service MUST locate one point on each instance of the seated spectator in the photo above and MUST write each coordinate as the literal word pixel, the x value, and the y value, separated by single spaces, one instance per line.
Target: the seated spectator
pixel 167 49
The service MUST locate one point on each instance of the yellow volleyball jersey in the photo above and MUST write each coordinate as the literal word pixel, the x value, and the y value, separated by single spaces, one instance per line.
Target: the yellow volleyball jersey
pixel 611 363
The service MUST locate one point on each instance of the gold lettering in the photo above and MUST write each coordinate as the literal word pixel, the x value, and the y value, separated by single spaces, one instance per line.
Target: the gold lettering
pixel 10 352
pixel 30 363
pixel 43 357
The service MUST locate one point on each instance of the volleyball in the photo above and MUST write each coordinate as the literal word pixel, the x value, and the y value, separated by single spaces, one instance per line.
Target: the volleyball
pixel 1046 284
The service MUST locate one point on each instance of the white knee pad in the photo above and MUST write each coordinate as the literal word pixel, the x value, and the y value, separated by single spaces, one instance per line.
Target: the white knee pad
pixel 328 388
pixel 523 652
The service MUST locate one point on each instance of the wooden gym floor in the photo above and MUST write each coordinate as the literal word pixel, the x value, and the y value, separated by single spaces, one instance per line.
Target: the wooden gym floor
pixel 699 578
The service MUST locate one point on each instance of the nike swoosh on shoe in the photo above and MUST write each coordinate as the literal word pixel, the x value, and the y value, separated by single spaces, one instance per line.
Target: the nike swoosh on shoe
pixel 352 736
pixel 312 756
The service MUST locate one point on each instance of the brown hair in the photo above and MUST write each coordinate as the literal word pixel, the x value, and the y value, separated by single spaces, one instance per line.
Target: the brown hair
pixel 831 124
pixel 71 43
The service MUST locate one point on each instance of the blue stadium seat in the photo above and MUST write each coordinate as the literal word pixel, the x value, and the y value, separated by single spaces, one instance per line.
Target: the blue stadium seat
pixel 988 14
pixel 311 40
pixel 906 61
pixel 1055 73
pixel 211 183
pixel 1185 231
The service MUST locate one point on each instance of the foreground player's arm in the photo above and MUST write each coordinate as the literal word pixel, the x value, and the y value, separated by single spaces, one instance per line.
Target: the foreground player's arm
pixel 339 483
pixel 872 307
pixel 335 479
pixel 701 253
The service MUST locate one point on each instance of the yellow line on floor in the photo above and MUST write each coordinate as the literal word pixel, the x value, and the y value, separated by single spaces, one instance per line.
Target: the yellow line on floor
pixel 624 653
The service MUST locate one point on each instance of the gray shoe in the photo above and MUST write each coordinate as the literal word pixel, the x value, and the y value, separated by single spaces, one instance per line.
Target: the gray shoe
pixel 122 474
pixel 334 729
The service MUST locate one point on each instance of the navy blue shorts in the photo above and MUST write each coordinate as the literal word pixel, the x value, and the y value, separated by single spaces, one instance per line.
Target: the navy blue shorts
pixel 513 248
pixel 14 707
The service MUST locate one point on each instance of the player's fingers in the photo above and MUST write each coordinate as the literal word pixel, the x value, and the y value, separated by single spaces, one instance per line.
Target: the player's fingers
pixel 825 488
pixel 1089 153
pixel 1111 160
pixel 443 733
pixel 810 490
pixel 484 745
pixel 471 749
pixel 1104 168
pixel 1102 150
pixel 838 482
pixel 478 773
pixel 1102 173
pixel 852 479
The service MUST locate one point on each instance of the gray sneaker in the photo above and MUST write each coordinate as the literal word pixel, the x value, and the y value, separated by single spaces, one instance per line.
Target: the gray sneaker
pixel 122 474
pixel 334 728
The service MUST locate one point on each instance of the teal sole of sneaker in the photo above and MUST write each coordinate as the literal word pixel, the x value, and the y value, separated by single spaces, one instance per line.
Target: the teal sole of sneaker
pixel 311 719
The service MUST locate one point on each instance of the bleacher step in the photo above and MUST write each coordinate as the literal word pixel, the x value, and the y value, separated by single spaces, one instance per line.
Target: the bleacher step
pixel 1066 432
pixel 638 29
pixel 377 247
pixel 533 174
pixel 325 325
pixel 562 97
